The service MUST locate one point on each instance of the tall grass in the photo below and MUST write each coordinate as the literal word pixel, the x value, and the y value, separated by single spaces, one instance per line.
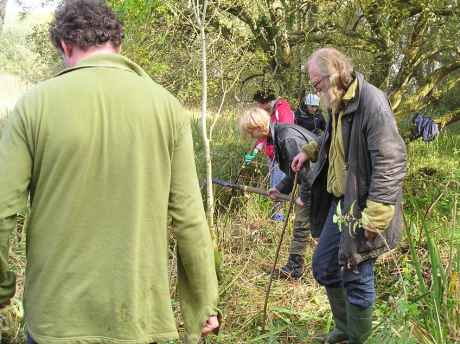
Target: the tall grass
pixel 427 259
pixel 430 251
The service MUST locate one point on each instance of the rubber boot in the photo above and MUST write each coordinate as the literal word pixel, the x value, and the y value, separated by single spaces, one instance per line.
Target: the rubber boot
pixel 293 269
pixel 337 301
pixel 359 323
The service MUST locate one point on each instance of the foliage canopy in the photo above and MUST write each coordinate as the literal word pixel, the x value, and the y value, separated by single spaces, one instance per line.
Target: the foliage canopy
pixel 408 48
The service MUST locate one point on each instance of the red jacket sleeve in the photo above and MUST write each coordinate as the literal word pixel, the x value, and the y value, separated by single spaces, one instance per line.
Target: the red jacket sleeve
pixel 269 151
pixel 282 113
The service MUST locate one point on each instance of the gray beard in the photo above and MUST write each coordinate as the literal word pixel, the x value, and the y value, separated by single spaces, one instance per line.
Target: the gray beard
pixel 325 102
pixel 332 102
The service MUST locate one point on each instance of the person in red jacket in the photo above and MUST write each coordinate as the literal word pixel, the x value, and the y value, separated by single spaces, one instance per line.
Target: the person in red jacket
pixel 281 112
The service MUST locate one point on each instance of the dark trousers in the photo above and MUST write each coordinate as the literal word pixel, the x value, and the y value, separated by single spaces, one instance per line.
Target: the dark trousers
pixel 359 285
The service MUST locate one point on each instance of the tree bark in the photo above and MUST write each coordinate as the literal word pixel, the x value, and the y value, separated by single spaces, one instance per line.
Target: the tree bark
pixel 383 55
pixel 418 100
pixel 200 17
pixel 3 4
pixel 449 118
pixel 413 55
pixel 204 130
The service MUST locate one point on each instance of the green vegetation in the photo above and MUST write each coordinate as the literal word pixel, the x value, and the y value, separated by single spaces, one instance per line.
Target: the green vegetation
pixel 407 48
pixel 418 283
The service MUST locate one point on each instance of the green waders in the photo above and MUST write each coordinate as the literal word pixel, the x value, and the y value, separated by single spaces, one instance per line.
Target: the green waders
pixel 337 301
pixel 359 322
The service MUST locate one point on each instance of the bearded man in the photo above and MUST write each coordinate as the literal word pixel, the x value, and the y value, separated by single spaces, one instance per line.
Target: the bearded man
pixel 361 164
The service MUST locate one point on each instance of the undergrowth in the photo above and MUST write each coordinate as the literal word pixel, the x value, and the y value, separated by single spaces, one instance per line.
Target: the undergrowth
pixel 418 286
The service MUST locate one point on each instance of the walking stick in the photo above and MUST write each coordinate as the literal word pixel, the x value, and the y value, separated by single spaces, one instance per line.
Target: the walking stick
pixel 269 286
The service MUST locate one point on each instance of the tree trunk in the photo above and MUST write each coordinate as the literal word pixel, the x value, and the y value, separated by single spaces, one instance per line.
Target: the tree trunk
pixel 449 118
pixel 200 17
pixel 2 13
pixel 204 130
pixel 419 99
pixel 199 11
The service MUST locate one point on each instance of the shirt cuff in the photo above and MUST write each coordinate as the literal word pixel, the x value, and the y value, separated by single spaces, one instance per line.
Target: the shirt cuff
pixel 377 216
pixel 311 150
pixel 259 146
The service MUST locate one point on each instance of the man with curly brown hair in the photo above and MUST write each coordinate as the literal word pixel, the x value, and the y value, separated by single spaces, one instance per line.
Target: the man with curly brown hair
pixel 105 157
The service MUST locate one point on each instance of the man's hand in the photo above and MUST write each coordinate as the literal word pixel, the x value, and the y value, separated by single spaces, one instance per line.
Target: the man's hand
pixel 298 161
pixel 376 218
pixel 210 325
pixel 370 235
pixel 299 202
pixel 274 194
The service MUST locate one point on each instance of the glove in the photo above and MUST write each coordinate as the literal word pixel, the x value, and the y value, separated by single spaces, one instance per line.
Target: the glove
pixel 249 157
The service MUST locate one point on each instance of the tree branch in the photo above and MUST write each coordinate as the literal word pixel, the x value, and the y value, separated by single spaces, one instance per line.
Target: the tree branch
pixel 418 100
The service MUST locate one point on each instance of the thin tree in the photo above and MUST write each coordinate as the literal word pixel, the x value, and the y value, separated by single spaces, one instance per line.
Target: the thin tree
pixel 199 9
pixel 2 13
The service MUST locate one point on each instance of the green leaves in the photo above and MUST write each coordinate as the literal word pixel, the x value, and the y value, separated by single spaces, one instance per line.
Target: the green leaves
pixel 348 219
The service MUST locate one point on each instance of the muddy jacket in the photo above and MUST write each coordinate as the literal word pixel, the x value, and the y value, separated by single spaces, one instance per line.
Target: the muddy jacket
pixel 375 157
pixel 288 140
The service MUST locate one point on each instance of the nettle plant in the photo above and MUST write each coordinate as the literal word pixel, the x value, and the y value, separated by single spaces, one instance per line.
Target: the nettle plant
pixel 347 219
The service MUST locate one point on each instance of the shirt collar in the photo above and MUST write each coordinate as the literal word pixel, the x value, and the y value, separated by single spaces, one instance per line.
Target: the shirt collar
pixel 107 60
pixel 351 91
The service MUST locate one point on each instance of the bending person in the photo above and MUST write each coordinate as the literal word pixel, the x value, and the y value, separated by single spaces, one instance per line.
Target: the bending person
pixel 287 141
pixel 280 112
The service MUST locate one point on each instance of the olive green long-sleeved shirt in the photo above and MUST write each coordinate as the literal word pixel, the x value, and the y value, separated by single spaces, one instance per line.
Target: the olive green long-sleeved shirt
pixel 105 154
pixel 336 174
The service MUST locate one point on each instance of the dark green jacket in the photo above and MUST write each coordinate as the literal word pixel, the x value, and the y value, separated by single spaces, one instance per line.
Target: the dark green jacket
pixel 106 156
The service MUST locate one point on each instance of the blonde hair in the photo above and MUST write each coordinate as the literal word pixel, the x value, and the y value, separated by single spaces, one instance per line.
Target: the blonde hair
pixel 254 118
